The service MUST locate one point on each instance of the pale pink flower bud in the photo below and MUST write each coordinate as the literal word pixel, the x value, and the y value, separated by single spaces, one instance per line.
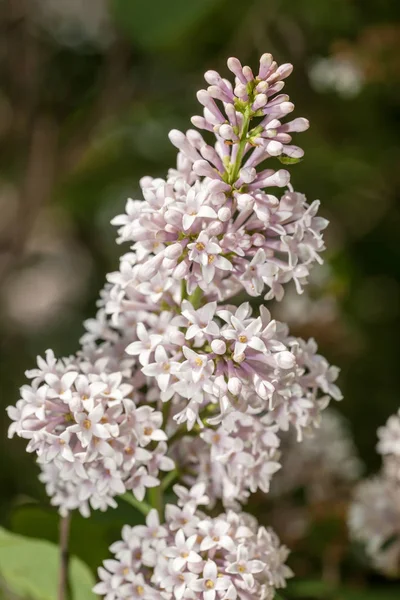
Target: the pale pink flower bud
pixel 248 174
pixel 224 214
pixel 226 132
pixel 274 148
pixel 181 270
pixel 202 168
pixel 218 346
pixel 174 251
pixel 248 73
pixel 285 360
pixel 265 64
pixel 215 228
pixel 234 386
pixel 262 87
pixel 260 101
pixel 235 66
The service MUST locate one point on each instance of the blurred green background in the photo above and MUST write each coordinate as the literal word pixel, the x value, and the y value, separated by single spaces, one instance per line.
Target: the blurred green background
pixel 88 92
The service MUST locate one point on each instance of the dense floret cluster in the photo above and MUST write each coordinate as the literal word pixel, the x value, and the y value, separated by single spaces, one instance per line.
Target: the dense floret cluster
pixel 374 517
pixel 171 376
pixel 192 555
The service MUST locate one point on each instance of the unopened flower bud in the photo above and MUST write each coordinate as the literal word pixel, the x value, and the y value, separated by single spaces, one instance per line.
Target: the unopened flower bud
pixel 285 359
pixel 218 346
pixel 224 214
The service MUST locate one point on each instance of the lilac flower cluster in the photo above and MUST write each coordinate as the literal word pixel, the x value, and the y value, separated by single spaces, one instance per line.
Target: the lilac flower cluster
pixel 91 431
pixel 170 376
pixel 374 517
pixel 192 555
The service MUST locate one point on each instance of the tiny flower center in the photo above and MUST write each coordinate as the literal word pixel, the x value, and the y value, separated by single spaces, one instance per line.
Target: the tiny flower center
pixel 128 450
pixel 140 590
pixel 242 339
pixel 137 554
pixel 104 419
pixel 215 538
pixel 199 362
pixel 85 397
pixel 166 367
pixel 200 246
pixel 69 417
pixel 211 258
pixel 210 584
pixel 148 430
pixel 87 424
pixel 125 571
pixel 184 554
pixel 181 577
pixel 242 569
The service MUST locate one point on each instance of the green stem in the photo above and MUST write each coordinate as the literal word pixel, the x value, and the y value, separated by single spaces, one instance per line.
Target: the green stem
pixel 184 294
pixel 168 479
pixel 196 298
pixel 142 507
pixel 156 499
pixel 242 145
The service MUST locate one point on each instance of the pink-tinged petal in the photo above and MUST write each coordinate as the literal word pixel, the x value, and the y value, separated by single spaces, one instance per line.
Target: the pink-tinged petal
pixel 161 354
pixel 68 379
pixel 210 570
pixel 187 221
pixel 256 566
pixel 207 211
pixel 151 370
pixel 208 273
pixel 192 331
pixel 257 344
pixel 248 579
pixel 209 595
pixel 96 414
pixel 223 263
pixel 152 519
pixel 163 381
pixel 134 348
pixel 141 332
pixel 179 563
pixel 194 557
pixel 159 436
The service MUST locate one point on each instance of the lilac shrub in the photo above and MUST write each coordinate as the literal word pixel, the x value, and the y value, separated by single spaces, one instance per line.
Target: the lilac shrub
pixel 172 377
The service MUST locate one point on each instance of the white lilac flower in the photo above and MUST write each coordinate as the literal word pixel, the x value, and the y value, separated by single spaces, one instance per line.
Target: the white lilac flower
pixel 91 438
pixel 164 337
pixel 374 520
pixel 241 560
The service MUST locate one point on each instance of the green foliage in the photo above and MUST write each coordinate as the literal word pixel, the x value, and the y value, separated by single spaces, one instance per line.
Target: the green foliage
pixel 321 590
pixel 89 538
pixel 29 569
pixel 156 24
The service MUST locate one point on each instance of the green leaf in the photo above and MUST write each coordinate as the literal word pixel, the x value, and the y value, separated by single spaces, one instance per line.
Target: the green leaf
pixel 89 539
pixel 288 160
pixel 159 23
pixel 29 569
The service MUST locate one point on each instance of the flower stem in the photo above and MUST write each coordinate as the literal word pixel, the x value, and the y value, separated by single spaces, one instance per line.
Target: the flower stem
pixel 242 145
pixel 142 507
pixel 196 298
pixel 64 592
pixel 156 499
pixel 184 294
pixel 169 478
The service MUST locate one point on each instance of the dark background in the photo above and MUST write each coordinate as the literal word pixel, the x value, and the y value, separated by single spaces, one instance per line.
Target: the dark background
pixel 88 93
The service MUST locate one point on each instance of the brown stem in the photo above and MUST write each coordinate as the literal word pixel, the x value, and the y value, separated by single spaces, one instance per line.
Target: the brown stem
pixel 63 581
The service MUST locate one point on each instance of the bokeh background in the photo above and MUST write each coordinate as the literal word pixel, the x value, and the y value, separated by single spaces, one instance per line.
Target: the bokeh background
pixel 88 92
